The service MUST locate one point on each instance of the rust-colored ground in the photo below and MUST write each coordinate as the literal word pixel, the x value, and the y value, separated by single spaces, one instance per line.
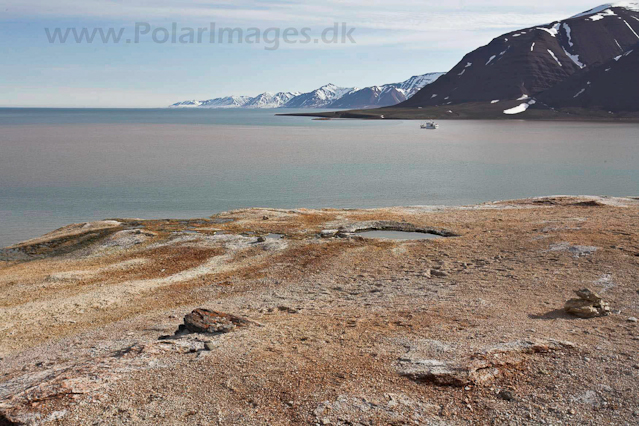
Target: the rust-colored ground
pixel 336 319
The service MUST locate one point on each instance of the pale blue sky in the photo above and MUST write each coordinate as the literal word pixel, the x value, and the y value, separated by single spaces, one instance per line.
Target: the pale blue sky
pixel 395 40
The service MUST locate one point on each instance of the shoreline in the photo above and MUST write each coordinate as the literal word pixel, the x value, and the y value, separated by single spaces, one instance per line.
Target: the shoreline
pixel 426 207
pixel 475 111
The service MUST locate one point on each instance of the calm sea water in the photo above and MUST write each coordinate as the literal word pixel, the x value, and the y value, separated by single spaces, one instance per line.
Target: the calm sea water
pixel 64 166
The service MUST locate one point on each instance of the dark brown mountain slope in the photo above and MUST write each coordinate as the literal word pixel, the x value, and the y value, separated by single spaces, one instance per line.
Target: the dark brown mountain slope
pixel 613 86
pixel 530 61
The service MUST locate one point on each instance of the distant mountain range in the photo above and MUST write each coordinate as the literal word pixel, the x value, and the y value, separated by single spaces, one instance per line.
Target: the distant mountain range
pixel 590 61
pixel 587 64
pixel 328 96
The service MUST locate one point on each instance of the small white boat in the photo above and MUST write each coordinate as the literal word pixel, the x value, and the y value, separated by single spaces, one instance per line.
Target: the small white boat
pixel 431 125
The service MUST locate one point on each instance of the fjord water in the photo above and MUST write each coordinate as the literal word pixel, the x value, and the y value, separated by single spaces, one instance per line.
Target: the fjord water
pixel 66 166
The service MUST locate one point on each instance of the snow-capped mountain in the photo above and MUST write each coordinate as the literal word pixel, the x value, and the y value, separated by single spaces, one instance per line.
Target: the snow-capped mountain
pixel 319 98
pixel 187 104
pixel 530 61
pixel 370 97
pixel 316 99
pixel 417 83
pixel 387 95
pixel 329 96
pixel 226 102
pixel 269 100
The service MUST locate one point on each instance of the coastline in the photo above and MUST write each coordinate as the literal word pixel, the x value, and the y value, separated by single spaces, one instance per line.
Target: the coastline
pixel 337 321
pixel 475 111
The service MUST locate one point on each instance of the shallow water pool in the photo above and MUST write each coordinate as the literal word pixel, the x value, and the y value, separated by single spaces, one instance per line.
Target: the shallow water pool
pixel 398 235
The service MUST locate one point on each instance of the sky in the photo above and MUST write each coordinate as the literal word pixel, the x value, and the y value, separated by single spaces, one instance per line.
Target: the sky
pixel 390 42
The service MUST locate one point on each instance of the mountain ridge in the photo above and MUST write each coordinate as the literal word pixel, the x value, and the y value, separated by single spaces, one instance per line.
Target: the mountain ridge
pixel 525 63
pixel 327 96
pixel 386 95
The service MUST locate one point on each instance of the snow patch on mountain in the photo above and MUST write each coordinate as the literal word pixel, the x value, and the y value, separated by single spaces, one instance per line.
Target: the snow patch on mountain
pixel 319 98
pixel 225 102
pixel 554 57
pixel 417 83
pixel 602 15
pixel 574 58
pixel 634 6
pixel 269 100
pixel 569 34
pixel 631 29
pixel 520 108
pixel 553 31
pixel 187 104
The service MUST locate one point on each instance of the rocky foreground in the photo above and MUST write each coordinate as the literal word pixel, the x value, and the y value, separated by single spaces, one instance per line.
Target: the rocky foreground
pixel 293 318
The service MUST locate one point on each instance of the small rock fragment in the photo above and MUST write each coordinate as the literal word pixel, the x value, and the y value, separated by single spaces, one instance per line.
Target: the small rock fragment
pixel 632 319
pixel 587 294
pixel 506 395
pixel 328 233
pixel 439 274
pixel 205 321
pixel 581 308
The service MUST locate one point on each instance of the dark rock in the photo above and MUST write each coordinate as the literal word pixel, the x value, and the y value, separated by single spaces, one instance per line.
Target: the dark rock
pixel 593 203
pixel 506 395
pixel 5 421
pixel 388 225
pixel 166 337
pixel 261 239
pixel 205 321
